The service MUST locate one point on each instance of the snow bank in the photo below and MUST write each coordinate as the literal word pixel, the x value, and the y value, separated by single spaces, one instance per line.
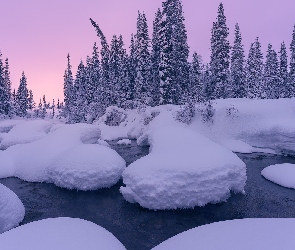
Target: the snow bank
pixel 124 142
pixel 281 174
pixel 53 155
pixel 103 143
pixel 183 170
pixel 87 167
pixel 270 234
pixel 12 210
pixel 267 123
pixel 7 125
pixel 60 234
pixel 25 132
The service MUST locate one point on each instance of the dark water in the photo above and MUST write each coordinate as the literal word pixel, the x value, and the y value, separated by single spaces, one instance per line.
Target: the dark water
pixel 139 228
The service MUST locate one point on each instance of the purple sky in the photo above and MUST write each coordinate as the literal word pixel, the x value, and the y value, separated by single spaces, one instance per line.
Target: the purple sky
pixel 37 35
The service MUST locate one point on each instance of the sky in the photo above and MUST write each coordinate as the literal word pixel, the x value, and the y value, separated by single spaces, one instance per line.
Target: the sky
pixel 36 36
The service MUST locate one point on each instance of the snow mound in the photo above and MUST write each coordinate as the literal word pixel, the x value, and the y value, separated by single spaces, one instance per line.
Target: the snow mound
pixel 87 167
pixel 62 153
pixel 281 174
pixel 245 234
pixel 112 133
pixel 184 169
pixel 60 234
pixel 25 132
pixel 124 142
pixel 12 210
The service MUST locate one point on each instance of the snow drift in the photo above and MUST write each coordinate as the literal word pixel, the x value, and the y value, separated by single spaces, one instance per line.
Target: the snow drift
pixel 184 169
pixel 12 210
pixel 270 234
pixel 60 234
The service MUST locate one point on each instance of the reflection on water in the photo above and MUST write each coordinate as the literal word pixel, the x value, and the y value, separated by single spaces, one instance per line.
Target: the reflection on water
pixel 139 228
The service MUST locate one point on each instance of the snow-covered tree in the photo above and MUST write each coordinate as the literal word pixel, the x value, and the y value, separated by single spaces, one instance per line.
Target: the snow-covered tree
pixel 292 65
pixel 237 70
pixel 195 89
pixel 143 61
pixel 220 55
pixel 155 59
pixel 271 75
pixel 254 70
pixel 283 68
pixel 31 103
pixel 22 95
pixel 68 89
pixel 174 67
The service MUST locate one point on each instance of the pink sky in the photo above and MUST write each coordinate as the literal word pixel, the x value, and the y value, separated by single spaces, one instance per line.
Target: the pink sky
pixel 37 35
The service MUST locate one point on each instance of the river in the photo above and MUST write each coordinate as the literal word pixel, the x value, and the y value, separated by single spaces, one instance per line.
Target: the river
pixel 139 228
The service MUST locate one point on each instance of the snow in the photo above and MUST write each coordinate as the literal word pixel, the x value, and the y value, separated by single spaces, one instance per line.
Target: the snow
pixel 184 169
pixel 7 125
pixel 245 234
pixel 60 234
pixel 12 210
pixel 38 161
pixel 87 167
pixel 112 133
pixel 124 142
pixel 25 132
pixel 102 143
pixel 281 174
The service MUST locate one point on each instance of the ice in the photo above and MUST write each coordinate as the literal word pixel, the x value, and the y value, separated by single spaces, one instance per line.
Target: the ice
pixel 270 234
pixel 25 132
pixel 87 167
pixel 60 234
pixel 37 161
pixel 184 169
pixel 124 142
pixel 281 174
pixel 12 210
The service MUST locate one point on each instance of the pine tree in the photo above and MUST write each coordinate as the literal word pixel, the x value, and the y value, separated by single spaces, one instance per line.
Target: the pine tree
pixel 195 90
pixel 7 83
pixel 22 97
pixel 3 89
pixel 68 89
pixel 292 66
pixel 31 103
pixel 220 55
pixel 155 59
pixel 174 67
pixel 143 61
pixel 254 71
pixel 238 76
pixel 284 84
pixel 79 107
pixel 271 75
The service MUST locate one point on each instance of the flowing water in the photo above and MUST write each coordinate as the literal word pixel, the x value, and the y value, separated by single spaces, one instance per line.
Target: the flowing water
pixel 139 228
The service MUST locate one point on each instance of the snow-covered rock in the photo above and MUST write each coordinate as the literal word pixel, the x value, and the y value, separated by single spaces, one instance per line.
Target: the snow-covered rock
pixel 60 234
pixel 103 143
pixel 25 132
pixel 87 167
pixel 12 210
pixel 281 174
pixel 270 234
pixel 184 169
pixel 124 142
pixel 63 147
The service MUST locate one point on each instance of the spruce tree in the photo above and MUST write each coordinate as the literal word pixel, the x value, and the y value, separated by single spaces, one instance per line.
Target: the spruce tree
pixel 292 66
pixel 270 87
pixel 174 67
pixel 3 89
pixel 155 59
pixel 195 90
pixel 237 70
pixel 143 61
pixel 283 65
pixel 68 89
pixel 22 97
pixel 220 55
pixel 254 71
pixel 31 103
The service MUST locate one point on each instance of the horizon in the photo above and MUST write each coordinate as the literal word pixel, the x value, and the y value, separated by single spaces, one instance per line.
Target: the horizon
pixel 48 32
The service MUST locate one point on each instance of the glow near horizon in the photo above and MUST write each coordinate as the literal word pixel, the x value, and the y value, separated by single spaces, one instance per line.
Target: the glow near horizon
pixel 37 35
